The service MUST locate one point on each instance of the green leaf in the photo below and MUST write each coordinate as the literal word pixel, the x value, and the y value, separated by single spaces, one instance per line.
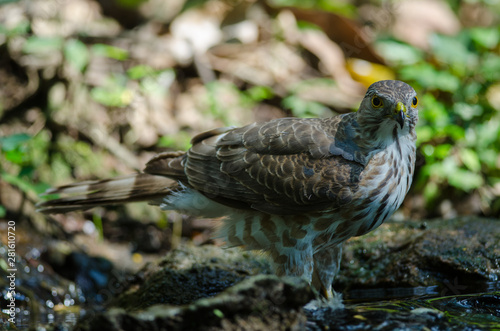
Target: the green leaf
pixel 98 225
pixel 490 67
pixel 15 156
pixel 35 45
pixel 398 52
pixel 304 25
pixel 77 54
pixel 465 180
pixel 3 212
pixel 467 111
pixel 452 50
pixel 259 93
pixel 442 151
pixel 140 71
pixel 218 313
pixel 12 142
pixel 424 134
pixel 470 159
pixel 434 112
pixel 431 78
pixel 431 191
pixel 489 158
pixel 179 141
pixel 485 37
pixel 110 51
pixel 23 184
pixel 21 28
pixel 455 132
pixel 112 96
pixel 303 108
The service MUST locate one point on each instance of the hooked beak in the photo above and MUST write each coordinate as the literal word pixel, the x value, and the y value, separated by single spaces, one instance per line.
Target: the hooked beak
pixel 400 114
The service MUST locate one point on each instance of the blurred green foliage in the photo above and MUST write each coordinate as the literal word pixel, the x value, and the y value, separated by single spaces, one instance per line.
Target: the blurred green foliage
pixel 457 78
pixel 19 158
pixel 459 126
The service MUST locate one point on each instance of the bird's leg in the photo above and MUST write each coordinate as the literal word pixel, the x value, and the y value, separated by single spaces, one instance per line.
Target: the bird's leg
pixel 293 261
pixel 326 267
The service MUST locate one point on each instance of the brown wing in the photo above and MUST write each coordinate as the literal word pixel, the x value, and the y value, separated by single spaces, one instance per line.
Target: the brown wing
pixel 282 167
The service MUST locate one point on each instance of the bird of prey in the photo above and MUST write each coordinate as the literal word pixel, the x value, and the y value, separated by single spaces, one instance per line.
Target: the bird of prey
pixel 294 188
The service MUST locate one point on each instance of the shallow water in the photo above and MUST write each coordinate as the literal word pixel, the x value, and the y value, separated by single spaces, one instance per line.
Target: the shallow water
pixel 421 308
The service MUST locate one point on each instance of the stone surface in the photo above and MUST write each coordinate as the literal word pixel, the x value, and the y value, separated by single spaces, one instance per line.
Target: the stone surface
pixel 456 256
pixel 437 258
pixel 263 302
pixel 454 264
pixel 190 273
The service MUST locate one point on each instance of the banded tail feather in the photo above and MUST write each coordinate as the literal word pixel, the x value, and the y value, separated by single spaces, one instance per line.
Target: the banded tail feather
pixel 159 179
pixel 113 191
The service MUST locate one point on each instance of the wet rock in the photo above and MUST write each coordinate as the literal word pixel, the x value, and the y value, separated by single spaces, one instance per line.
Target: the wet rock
pixel 263 302
pixel 211 288
pixel 456 256
pixel 190 273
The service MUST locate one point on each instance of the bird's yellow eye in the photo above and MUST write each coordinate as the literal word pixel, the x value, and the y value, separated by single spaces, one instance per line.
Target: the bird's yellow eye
pixel 377 102
pixel 414 102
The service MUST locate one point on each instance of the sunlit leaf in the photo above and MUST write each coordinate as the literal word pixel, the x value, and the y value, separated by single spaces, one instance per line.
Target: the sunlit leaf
pixel 470 159
pixel 15 156
pixel 110 51
pixel 398 52
pixel 467 111
pixel 42 44
pixel 454 131
pixel 259 93
pixel 77 54
pixel 442 151
pixel 424 134
pixel 303 108
pixel 179 141
pixel 465 180
pixel 452 50
pixel 485 37
pixel 426 75
pixel 434 112
pixel 112 97
pixel 97 220
pixel 431 191
pixel 20 28
pixel 140 71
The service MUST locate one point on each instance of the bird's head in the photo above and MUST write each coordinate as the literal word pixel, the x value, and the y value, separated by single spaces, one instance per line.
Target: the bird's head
pixel 389 104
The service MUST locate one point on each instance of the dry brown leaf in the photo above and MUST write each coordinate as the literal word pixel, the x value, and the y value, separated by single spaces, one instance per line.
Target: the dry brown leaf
pixel 416 20
pixel 343 31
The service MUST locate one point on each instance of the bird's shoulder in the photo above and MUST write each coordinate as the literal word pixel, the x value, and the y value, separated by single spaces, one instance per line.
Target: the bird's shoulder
pixel 316 137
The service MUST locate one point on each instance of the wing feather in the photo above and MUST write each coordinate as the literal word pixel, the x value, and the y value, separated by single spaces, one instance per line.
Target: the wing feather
pixel 277 167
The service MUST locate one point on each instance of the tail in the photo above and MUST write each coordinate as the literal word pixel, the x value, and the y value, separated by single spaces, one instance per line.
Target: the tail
pixel 119 190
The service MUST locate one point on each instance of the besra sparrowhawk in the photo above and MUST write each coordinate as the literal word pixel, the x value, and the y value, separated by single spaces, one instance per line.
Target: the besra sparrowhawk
pixel 295 188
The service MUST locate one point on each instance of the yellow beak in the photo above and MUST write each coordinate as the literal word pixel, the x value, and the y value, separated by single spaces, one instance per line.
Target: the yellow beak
pixel 400 114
